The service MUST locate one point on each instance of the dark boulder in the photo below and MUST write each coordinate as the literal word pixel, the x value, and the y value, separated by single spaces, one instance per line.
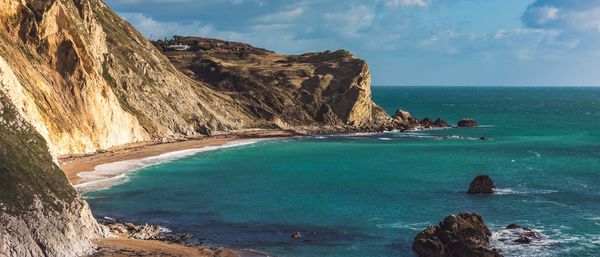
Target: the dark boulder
pixel 522 240
pixel 465 123
pixel 513 226
pixel 426 123
pixel 523 235
pixel 440 123
pixel 462 235
pixel 482 184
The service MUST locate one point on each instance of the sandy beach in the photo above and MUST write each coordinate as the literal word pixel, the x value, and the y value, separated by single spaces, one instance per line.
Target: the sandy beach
pixel 123 246
pixel 73 165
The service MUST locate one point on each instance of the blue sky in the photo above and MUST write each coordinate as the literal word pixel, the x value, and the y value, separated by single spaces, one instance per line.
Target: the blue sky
pixel 406 42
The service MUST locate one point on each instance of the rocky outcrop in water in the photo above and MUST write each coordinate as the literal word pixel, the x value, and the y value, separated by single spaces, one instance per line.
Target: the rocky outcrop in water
pixel 519 235
pixel 462 235
pixel 144 232
pixel 481 184
pixel 467 123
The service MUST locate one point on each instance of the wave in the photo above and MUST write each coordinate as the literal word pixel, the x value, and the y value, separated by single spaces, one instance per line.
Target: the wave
pixel 401 225
pixel 108 175
pixel 538 155
pixel 512 191
pixel 503 240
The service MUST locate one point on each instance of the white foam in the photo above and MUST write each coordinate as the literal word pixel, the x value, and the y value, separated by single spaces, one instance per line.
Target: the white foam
pixel 538 155
pixel 385 138
pixel 503 240
pixel 107 175
pixel 512 191
pixel 401 225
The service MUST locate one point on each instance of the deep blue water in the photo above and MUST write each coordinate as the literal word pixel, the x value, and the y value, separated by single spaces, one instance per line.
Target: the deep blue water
pixel 369 195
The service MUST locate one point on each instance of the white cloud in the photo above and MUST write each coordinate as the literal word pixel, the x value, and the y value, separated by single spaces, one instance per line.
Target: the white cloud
pixel 154 29
pixel 397 3
pixel 350 23
pixel 282 16
pixel 543 15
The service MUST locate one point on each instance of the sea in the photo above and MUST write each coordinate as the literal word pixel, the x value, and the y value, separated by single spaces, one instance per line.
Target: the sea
pixel 371 194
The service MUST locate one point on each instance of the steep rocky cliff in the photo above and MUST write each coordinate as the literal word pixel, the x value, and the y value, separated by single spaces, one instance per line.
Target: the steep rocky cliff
pixel 40 213
pixel 313 89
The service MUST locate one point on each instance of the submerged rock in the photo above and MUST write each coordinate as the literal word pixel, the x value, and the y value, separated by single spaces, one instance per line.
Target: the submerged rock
pixel 523 235
pixel 482 184
pixel 469 122
pixel 462 235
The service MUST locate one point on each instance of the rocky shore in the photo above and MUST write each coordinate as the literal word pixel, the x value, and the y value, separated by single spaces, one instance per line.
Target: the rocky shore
pixel 131 240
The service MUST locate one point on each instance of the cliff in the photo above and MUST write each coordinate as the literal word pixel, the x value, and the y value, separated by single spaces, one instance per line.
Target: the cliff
pixel 75 78
pixel 314 89
pixel 40 212
pixel 86 80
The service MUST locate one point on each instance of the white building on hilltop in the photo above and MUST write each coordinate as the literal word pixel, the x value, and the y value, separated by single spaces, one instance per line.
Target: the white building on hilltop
pixel 179 47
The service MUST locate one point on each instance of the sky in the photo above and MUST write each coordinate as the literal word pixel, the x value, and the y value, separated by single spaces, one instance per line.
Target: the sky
pixel 405 42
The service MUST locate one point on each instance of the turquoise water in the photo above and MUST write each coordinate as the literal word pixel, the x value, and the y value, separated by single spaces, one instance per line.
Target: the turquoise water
pixel 369 195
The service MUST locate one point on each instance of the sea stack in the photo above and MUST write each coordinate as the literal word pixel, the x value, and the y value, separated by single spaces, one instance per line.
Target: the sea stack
pixel 481 184
pixel 462 235
pixel 467 123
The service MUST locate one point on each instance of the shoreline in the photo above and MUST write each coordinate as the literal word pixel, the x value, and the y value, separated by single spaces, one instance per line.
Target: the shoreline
pixel 76 166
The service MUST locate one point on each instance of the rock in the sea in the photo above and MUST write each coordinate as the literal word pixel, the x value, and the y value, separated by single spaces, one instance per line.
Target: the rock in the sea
pixel 297 235
pixel 523 235
pixel 440 123
pixel 426 123
pixel 483 138
pixel 469 122
pixel 513 226
pixel 462 235
pixel 522 240
pixel 482 184
pixel 401 114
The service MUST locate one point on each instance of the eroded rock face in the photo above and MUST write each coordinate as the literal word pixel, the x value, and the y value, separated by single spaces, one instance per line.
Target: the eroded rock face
pixel 481 184
pixel 466 123
pixel 313 89
pixel 41 214
pixel 462 235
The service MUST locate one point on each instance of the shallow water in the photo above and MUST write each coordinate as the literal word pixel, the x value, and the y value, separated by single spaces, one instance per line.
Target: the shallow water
pixel 369 195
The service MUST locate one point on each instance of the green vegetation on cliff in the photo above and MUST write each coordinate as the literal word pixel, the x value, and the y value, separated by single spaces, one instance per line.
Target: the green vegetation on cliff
pixel 27 171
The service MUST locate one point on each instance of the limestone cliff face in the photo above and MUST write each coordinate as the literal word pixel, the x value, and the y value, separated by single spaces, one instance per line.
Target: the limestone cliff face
pixel 86 80
pixel 40 213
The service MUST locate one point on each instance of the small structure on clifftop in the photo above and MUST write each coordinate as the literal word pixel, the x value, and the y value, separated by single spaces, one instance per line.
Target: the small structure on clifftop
pixel 179 47
pixel 482 184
